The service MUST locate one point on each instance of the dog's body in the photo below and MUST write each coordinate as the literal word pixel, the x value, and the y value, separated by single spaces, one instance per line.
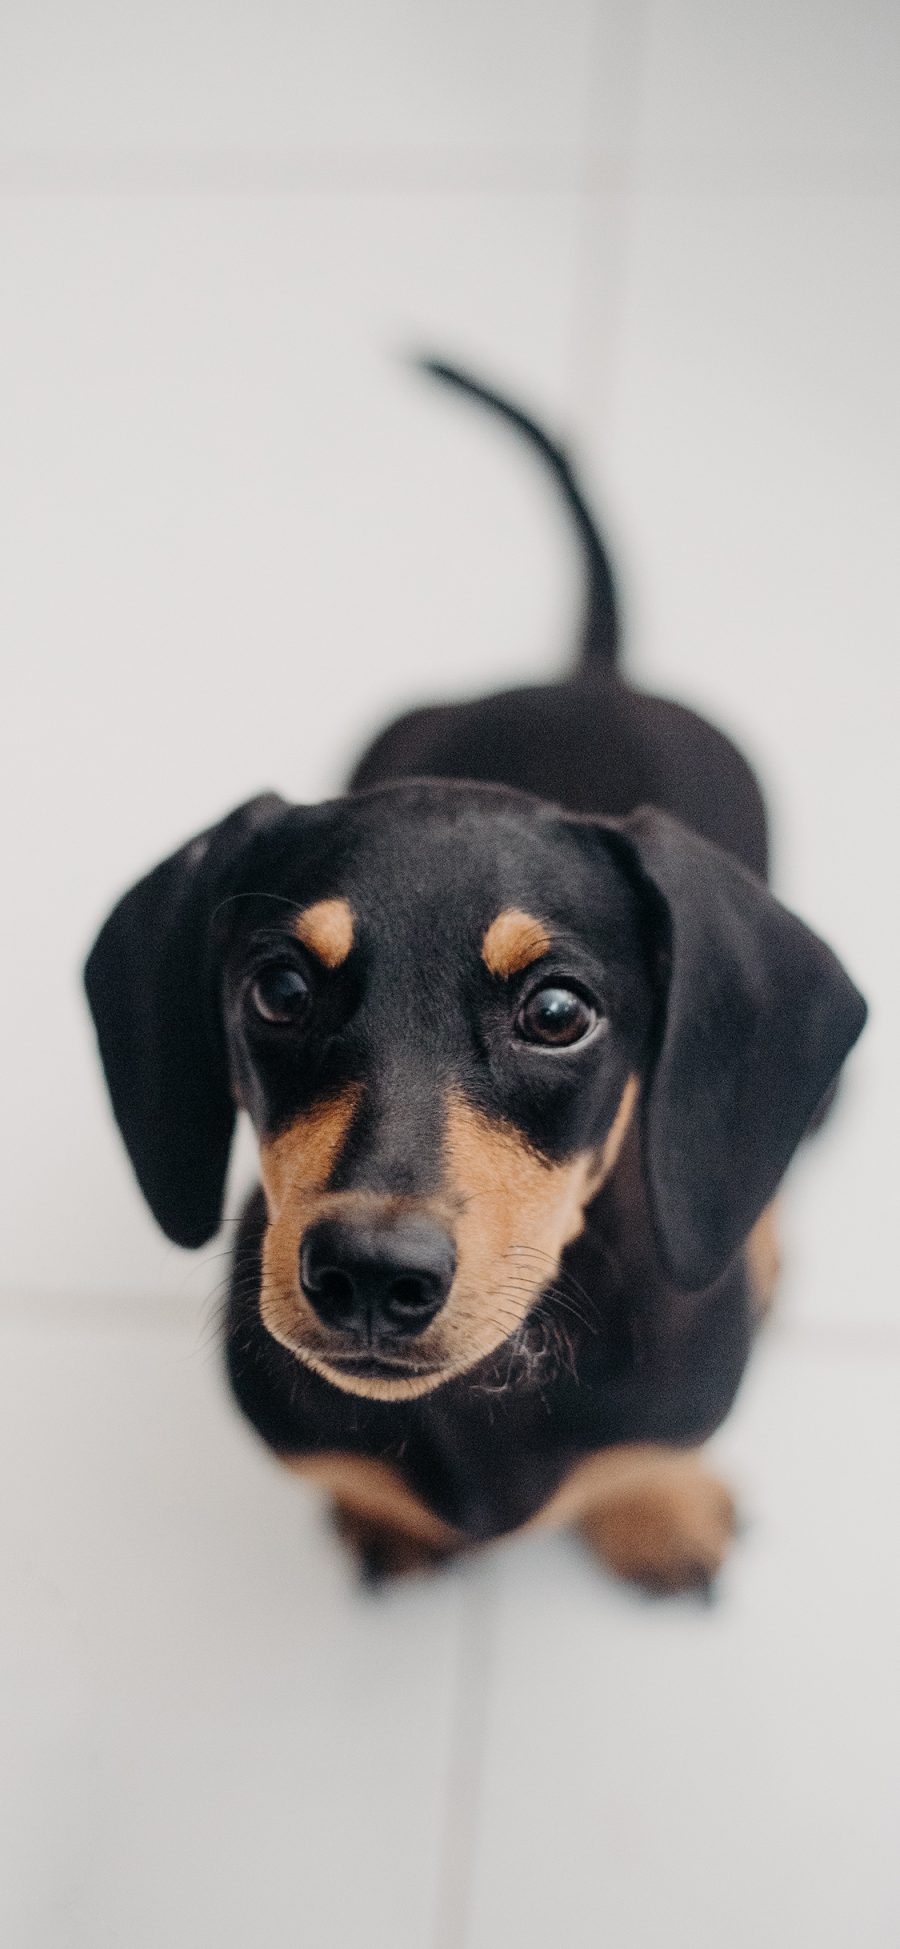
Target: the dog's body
pixel 526 1072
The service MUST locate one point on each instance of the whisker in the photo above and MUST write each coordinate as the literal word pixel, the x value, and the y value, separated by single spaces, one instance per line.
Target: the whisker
pixel 284 899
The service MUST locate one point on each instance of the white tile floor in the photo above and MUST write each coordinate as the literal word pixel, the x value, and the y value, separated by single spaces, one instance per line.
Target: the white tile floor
pixel 210 1736
pixel 673 225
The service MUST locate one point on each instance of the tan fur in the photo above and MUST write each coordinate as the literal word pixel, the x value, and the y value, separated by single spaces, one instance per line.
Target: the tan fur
pixel 376 1495
pixel 295 1167
pixel 512 942
pixel 519 1214
pixel 764 1259
pixel 616 1134
pixel 327 930
pixel 510 1212
pixel 654 1515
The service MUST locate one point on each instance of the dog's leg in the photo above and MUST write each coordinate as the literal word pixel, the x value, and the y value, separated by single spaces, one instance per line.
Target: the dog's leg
pixel 655 1515
pixel 389 1529
pixel 383 1551
pixel 669 1531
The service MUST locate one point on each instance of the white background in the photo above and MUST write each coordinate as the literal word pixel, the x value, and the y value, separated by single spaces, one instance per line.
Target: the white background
pixel 237 535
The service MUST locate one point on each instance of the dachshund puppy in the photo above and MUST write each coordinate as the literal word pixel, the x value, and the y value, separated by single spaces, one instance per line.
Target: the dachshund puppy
pixel 527 1046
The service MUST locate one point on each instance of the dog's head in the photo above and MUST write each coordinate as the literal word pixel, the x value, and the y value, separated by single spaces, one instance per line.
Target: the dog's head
pixel 441 1006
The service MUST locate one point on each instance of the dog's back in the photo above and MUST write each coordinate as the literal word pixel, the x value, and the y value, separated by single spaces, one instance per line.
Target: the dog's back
pixel 591 743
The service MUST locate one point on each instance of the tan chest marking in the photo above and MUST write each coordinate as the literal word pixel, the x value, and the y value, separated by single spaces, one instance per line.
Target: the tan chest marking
pixel 512 942
pixel 327 930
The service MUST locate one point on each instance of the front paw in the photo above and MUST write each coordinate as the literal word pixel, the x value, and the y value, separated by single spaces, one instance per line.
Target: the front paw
pixel 670 1532
pixel 383 1553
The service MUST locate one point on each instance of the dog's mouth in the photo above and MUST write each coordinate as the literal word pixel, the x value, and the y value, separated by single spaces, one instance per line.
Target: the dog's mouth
pixel 373 1364
pixel 379 1376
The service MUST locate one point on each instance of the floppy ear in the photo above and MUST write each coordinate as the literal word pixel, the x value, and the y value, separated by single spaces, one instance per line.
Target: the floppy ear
pixel 160 1033
pixel 759 1016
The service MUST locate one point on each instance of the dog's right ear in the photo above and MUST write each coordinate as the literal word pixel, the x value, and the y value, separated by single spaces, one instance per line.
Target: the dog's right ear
pixel 150 988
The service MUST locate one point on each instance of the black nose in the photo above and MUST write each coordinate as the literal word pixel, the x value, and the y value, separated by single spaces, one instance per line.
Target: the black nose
pixel 377 1281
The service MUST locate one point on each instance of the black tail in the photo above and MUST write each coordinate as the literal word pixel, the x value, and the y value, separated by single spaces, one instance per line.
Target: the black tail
pixel 600 634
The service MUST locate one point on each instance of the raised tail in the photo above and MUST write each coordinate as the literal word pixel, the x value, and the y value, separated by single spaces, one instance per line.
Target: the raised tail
pixel 600 633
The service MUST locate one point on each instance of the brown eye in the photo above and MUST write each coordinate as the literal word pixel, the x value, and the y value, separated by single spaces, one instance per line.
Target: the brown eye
pixel 280 994
pixel 556 1018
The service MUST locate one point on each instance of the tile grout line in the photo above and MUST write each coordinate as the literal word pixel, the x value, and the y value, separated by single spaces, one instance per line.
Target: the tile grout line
pixel 466 1763
pixel 161 172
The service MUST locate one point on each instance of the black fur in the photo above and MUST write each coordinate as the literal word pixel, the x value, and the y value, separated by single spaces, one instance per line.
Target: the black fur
pixel 735 1016
pixel 600 630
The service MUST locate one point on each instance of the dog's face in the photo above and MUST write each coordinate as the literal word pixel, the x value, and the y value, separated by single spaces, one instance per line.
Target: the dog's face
pixel 441 1005
pixel 436 1009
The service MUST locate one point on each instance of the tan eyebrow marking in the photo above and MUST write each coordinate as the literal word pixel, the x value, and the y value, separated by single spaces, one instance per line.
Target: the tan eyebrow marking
pixel 513 941
pixel 326 929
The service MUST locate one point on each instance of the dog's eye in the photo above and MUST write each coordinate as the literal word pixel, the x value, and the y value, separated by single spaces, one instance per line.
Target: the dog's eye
pixel 280 994
pixel 556 1017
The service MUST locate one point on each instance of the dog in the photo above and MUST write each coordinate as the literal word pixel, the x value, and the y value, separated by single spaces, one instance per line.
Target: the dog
pixel 527 1046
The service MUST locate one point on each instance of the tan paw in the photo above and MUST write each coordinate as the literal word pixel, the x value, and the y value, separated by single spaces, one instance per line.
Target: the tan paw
pixel 669 1532
pixel 382 1552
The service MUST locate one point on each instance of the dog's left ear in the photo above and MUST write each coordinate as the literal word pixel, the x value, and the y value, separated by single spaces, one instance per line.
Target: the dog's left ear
pixel 758 1017
pixel 149 980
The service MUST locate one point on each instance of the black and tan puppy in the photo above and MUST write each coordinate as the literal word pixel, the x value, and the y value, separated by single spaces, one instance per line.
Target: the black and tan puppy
pixel 527 1046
